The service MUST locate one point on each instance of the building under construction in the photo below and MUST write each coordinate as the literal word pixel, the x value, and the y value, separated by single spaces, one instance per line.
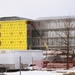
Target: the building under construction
pixel 18 33
pixel 58 33
pixel 43 33
pixel 14 33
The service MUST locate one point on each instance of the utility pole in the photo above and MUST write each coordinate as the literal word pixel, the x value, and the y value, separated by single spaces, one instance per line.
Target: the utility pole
pixel 20 64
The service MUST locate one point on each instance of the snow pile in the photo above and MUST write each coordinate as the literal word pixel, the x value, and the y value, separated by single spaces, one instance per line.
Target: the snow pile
pixel 65 71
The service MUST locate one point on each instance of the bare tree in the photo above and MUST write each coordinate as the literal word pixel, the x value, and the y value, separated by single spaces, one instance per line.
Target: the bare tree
pixel 67 33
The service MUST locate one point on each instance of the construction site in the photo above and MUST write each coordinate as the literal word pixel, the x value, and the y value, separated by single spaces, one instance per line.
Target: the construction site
pixel 53 36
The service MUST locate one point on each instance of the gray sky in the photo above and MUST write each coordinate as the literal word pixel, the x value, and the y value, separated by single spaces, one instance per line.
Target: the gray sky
pixel 37 8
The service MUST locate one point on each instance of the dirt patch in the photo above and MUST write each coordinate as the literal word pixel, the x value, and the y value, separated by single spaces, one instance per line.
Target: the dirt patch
pixel 71 73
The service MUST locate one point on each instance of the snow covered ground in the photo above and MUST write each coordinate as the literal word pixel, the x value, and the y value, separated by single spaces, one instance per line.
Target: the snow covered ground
pixel 56 72
pixel 33 73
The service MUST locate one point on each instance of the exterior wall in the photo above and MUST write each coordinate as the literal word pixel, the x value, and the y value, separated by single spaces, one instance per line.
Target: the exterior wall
pixel 28 57
pixel 13 34
pixel 53 33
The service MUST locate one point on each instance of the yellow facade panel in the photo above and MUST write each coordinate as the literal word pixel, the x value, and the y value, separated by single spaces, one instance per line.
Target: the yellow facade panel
pixel 13 35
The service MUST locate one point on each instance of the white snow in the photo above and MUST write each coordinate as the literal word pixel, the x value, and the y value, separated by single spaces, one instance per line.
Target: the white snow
pixel 56 72
pixel 33 73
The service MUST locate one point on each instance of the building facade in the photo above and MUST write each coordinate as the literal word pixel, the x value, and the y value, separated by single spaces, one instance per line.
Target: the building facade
pixel 13 33
pixel 18 33
pixel 57 33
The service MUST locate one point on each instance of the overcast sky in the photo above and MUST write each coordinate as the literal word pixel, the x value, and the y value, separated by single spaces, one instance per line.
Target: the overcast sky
pixel 37 8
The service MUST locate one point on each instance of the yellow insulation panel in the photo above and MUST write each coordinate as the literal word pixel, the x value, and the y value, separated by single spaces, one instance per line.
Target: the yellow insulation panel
pixel 13 35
